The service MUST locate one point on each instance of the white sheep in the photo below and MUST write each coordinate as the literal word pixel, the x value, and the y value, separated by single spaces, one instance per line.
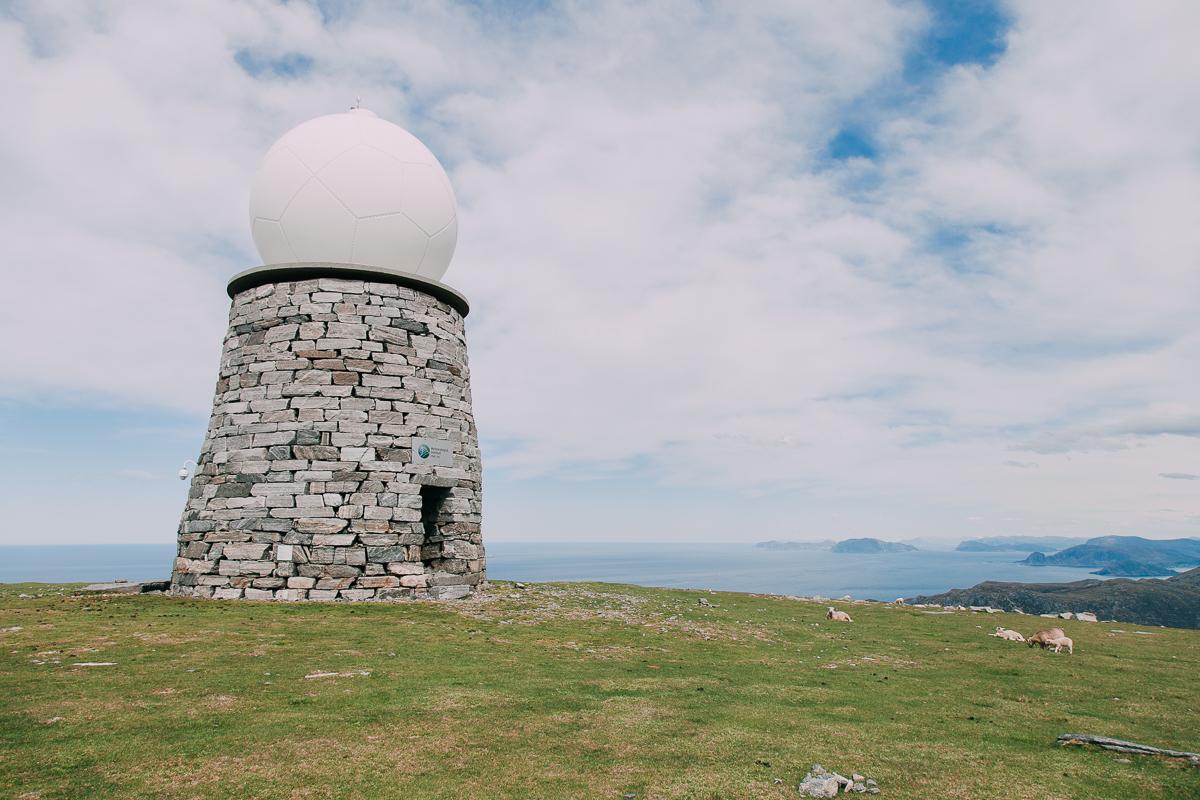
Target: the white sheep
pixel 1060 643
pixel 837 616
pixel 1007 634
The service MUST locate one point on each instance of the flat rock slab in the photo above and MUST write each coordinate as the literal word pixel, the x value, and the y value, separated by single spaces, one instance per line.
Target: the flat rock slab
pixel 1122 746
pixel 351 674
pixel 127 587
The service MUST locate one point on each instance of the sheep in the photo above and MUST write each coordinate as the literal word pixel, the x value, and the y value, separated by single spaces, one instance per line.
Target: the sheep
pixel 1060 643
pixel 1009 635
pixel 837 616
pixel 1044 637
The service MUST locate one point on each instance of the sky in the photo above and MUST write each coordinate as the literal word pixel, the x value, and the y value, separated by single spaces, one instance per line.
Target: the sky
pixel 738 271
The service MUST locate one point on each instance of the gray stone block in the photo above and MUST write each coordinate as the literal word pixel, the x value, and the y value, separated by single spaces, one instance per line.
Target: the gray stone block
pixel 243 552
pixel 320 526
pixel 333 539
pixel 381 555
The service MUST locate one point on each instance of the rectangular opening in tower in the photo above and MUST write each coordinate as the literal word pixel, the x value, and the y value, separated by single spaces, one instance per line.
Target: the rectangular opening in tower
pixel 432 500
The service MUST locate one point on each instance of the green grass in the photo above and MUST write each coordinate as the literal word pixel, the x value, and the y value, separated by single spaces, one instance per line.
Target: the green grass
pixel 573 690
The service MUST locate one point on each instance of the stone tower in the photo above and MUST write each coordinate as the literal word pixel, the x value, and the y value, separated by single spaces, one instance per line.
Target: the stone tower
pixel 341 459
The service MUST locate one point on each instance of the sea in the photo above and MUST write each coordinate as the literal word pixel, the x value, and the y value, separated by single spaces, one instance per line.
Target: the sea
pixel 723 567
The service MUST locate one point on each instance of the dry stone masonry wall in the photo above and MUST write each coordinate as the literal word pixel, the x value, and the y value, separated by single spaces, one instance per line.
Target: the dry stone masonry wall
pixel 306 486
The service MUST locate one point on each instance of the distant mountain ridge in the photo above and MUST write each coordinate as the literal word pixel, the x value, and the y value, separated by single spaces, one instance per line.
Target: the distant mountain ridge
pixel 1026 543
pixel 1150 601
pixel 863 545
pixel 868 545
pixel 777 544
pixel 1124 555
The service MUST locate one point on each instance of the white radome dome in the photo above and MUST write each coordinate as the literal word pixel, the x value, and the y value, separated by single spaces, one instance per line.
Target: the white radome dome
pixel 352 188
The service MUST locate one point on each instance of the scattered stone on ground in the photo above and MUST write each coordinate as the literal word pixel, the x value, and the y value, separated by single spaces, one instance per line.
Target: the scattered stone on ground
pixel 704 602
pixel 94 664
pixel 127 587
pixel 13 629
pixel 350 674
pixel 551 603
pixel 820 782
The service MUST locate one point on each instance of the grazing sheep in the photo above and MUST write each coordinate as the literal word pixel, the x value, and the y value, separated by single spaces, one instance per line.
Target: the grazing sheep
pixel 1060 643
pixel 837 616
pixel 1044 638
pixel 1009 635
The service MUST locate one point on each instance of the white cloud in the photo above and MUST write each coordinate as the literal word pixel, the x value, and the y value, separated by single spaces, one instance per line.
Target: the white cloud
pixel 668 275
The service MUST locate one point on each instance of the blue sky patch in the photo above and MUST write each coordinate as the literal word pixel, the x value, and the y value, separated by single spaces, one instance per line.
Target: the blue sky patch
pixel 261 65
pixel 851 142
pixel 960 32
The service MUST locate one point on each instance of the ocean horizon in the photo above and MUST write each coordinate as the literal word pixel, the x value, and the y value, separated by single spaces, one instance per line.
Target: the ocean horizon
pixel 718 566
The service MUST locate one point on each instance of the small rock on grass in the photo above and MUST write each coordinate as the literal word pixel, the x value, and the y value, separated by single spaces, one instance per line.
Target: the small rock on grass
pixel 351 674
pixel 813 786
pixel 819 782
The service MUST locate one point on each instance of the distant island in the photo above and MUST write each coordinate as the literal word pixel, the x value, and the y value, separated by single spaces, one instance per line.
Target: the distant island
pixel 870 546
pixel 1174 601
pixel 1130 556
pixel 775 544
pixel 1026 543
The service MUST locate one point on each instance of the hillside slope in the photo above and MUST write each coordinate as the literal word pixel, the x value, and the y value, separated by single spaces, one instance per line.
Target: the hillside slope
pixel 1125 555
pixel 1173 601
pixel 1026 543
pixel 570 691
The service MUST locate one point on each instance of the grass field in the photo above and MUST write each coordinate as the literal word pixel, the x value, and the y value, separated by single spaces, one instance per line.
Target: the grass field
pixel 573 691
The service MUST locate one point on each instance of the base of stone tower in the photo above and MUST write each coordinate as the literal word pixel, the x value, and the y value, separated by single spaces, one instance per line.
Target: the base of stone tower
pixel 341 460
